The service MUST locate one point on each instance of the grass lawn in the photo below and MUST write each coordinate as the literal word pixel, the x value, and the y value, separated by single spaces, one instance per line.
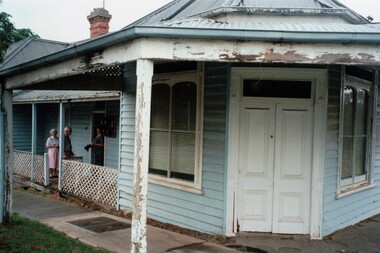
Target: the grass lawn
pixel 25 236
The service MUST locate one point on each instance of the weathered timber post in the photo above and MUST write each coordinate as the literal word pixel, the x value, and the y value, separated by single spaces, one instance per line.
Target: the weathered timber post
pixel 144 71
pixel 6 169
pixel 34 139
pixel 61 142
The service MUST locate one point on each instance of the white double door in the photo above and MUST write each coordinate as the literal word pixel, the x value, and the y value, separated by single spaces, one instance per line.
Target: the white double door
pixel 275 159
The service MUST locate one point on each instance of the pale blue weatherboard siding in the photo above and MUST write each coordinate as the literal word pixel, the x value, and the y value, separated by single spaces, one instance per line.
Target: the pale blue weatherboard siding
pixel 112 144
pixel 47 118
pixel 22 127
pixel 199 212
pixel 81 116
pixel 127 136
pixel 81 126
pixel 339 213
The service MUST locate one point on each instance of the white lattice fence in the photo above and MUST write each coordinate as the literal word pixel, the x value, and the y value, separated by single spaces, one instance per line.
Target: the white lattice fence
pixel 91 182
pixel 22 163
pixel 22 166
pixel 39 169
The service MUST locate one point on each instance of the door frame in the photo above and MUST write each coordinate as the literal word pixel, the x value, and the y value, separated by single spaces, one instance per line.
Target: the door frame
pixel 320 80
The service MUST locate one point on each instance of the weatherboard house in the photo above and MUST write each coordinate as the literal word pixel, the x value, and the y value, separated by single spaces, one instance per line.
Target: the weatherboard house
pixel 230 115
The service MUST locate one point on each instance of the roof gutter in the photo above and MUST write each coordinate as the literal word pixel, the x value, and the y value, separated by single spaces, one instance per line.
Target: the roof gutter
pixel 131 33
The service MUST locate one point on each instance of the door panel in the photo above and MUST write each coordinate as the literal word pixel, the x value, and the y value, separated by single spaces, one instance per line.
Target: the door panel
pixel 292 169
pixel 274 167
pixel 255 167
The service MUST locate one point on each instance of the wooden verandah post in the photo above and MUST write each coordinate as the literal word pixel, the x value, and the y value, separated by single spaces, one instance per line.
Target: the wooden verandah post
pixel 144 72
pixel 6 169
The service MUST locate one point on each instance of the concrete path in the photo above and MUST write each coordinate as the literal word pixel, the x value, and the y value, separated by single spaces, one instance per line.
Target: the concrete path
pixel 59 214
pixel 360 238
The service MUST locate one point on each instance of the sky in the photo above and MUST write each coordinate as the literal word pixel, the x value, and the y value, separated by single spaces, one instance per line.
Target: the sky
pixel 66 20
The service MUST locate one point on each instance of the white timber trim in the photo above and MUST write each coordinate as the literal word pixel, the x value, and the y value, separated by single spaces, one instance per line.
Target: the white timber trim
pixel 319 78
pixel 34 136
pixel 61 141
pixel 144 72
pixel 365 181
pixel 203 50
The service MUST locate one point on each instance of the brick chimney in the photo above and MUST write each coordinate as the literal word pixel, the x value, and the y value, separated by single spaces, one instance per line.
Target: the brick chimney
pixel 99 20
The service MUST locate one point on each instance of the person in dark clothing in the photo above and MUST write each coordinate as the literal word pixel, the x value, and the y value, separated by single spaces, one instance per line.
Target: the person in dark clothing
pixel 97 148
pixel 68 148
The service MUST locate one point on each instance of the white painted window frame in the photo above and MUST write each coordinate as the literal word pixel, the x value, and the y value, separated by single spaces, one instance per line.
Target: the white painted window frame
pixel 346 187
pixel 197 78
pixel 319 77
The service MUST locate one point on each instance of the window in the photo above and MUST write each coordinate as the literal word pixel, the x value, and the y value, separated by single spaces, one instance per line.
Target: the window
pixel 356 115
pixel 276 88
pixel 175 131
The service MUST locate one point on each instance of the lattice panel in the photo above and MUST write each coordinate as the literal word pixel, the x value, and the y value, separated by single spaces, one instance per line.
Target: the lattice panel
pixel 22 163
pixel 39 169
pixel 91 182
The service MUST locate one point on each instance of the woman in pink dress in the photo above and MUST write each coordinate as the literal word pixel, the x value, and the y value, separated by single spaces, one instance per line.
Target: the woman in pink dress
pixel 52 145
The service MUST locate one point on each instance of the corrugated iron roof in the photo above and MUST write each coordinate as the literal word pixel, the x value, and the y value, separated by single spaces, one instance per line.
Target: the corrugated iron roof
pixel 282 4
pixel 206 23
pixel 30 49
pixel 181 9
pixel 46 96
pixel 199 19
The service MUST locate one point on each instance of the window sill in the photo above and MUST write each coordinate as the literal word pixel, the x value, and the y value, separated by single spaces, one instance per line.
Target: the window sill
pixel 354 189
pixel 175 184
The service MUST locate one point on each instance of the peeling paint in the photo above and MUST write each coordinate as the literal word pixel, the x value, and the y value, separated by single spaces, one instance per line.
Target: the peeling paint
pixel 144 73
pixel 331 58
pixel 367 57
pixel 268 56
pixel 361 58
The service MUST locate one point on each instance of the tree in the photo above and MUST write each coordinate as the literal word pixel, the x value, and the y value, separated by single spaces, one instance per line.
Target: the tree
pixel 10 34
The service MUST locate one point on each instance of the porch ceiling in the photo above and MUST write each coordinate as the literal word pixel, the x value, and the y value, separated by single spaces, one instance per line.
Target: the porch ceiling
pixel 46 96
pixel 101 79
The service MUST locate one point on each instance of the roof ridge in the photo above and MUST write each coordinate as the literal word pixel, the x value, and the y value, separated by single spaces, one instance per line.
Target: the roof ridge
pixel 21 44
pixel 153 13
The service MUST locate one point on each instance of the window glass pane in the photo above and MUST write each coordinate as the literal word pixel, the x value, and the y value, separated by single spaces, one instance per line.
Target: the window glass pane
pixel 276 88
pixel 158 153
pixel 360 154
pixel 347 155
pixel 184 106
pixel 361 112
pixel 183 155
pixel 349 105
pixel 160 106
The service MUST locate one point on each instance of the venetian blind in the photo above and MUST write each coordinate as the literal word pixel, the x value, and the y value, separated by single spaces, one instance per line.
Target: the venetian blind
pixel 159 135
pixel 183 127
pixel 361 132
pixel 348 133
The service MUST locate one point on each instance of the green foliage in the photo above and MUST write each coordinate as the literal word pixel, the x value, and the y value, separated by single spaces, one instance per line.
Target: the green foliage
pixel 25 235
pixel 10 34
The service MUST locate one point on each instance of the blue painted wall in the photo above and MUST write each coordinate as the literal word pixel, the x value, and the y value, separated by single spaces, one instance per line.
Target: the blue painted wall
pixel 22 127
pixel 199 212
pixel 112 143
pixel 340 213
